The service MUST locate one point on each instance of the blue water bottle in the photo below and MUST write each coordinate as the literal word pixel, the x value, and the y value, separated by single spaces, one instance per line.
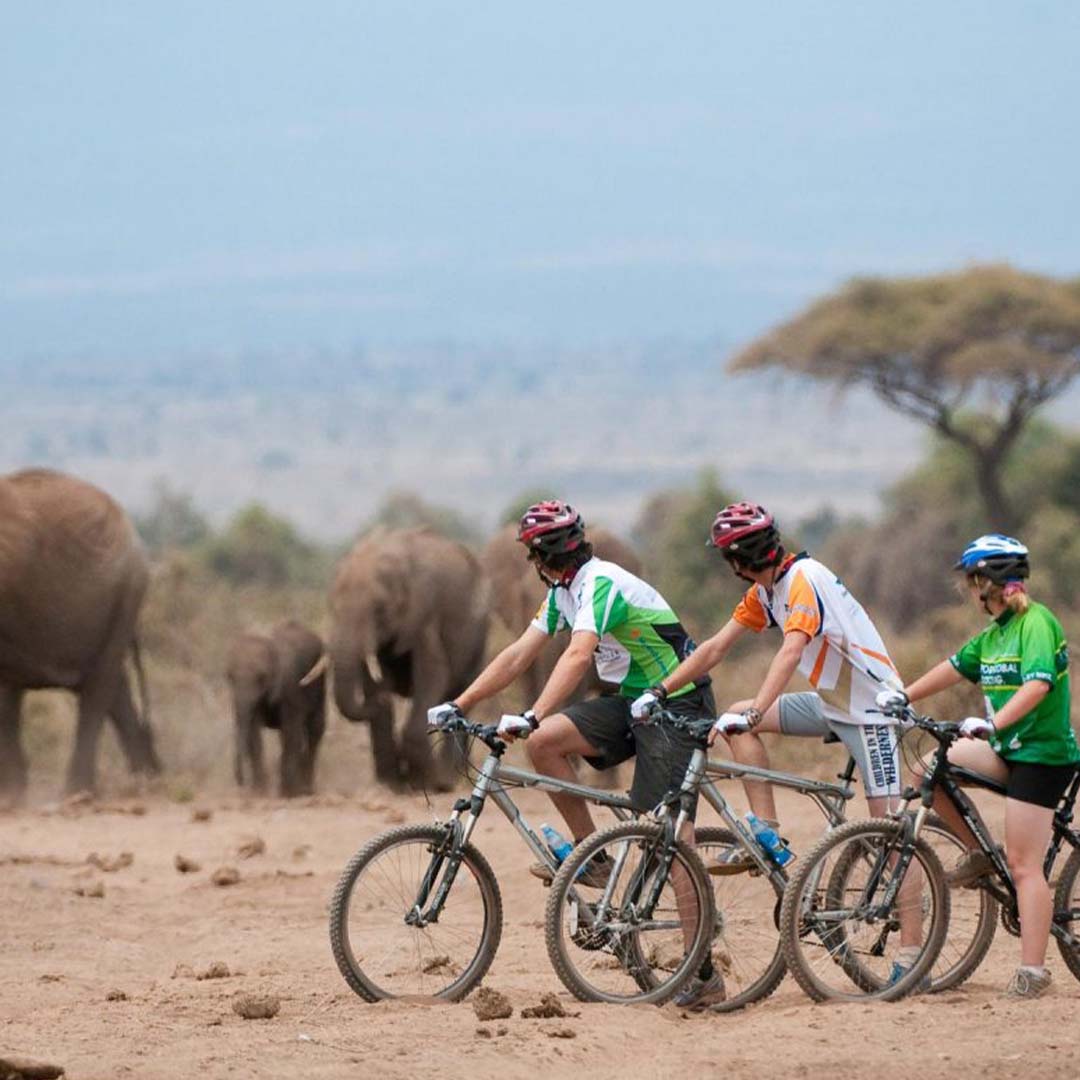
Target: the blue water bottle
pixel 770 840
pixel 560 846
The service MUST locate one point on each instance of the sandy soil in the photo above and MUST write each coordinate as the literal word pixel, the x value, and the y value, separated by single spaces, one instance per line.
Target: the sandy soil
pixel 64 956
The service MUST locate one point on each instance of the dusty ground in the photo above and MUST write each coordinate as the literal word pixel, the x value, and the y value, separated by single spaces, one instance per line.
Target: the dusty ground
pixel 64 956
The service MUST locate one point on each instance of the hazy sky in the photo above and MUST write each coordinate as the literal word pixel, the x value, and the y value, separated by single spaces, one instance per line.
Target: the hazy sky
pixel 190 175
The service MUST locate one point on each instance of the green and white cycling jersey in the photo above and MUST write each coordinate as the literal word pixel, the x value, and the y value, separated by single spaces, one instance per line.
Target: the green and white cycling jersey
pixel 1018 649
pixel 641 638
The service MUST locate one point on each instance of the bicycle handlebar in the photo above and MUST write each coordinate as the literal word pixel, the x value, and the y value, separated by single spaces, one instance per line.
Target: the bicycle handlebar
pixel 699 728
pixel 945 732
pixel 488 734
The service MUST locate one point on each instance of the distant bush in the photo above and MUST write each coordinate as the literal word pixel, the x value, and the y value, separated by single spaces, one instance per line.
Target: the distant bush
pixel 406 510
pixel 172 521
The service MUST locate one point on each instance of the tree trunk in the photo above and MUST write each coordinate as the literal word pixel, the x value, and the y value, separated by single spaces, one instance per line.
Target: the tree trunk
pixel 989 467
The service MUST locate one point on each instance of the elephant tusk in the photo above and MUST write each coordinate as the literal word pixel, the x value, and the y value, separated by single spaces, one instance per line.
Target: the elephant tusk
pixel 318 668
pixel 374 667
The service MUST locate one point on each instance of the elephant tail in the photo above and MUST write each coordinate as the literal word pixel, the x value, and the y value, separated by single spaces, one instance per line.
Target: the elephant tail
pixel 318 669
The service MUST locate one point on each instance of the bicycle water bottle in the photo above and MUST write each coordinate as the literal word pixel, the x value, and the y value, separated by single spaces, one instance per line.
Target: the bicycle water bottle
pixel 770 840
pixel 560 846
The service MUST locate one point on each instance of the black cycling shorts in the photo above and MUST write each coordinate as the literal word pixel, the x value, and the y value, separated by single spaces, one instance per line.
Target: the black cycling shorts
pixel 662 754
pixel 1040 785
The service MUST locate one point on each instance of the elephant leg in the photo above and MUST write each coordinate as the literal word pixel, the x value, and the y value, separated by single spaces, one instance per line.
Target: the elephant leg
pixel 82 770
pixel 136 740
pixel 384 748
pixel 13 770
pixel 294 751
pixel 315 727
pixel 253 750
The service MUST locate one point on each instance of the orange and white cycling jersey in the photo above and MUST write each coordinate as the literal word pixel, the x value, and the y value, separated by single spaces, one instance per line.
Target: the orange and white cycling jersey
pixel 846 660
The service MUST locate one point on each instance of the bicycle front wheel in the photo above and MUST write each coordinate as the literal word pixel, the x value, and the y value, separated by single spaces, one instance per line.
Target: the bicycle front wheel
pixel 621 927
pixel 846 913
pixel 387 939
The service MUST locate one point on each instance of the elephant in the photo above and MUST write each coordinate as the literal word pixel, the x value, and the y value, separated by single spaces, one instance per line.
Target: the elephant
pixel 73 575
pixel 409 614
pixel 517 593
pixel 268 687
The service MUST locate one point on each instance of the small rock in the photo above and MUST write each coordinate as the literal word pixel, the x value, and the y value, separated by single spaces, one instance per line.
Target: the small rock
pixel 489 1004
pixel 560 1033
pixel 550 1008
pixel 257 1006
pixel 50 978
pixel 108 864
pixel 302 851
pixel 18 1068
pixel 116 995
pixel 217 970
pixel 94 891
pixel 502 1029
pixel 185 865
pixel 201 813
pixel 251 846
pixel 436 964
pixel 483 1032
pixel 225 875
pixel 183 971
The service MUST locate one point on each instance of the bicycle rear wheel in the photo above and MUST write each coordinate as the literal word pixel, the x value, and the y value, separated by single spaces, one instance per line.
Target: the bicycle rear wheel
pixel 1067 910
pixel 839 928
pixel 383 949
pixel 640 937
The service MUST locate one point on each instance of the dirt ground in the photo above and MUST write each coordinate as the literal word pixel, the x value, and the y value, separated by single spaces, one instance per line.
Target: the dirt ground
pixel 98 983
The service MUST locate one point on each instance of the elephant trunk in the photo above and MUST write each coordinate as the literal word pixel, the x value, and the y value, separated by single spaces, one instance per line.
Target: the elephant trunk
pixel 356 680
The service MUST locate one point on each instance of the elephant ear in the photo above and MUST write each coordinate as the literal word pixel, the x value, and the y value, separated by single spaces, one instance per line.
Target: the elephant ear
pixel 402 569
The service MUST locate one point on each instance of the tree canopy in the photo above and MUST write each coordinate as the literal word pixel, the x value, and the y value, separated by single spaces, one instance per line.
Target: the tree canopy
pixel 972 354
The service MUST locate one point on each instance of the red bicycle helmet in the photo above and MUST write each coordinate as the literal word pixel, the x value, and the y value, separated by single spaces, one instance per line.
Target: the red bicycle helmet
pixel 551 528
pixel 747 533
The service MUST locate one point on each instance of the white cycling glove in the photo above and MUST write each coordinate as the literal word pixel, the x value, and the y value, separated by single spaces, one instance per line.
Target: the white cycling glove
pixel 977 727
pixel 646 705
pixel 517 726
pixel 438 715
pixel 732 723
pixel 891 701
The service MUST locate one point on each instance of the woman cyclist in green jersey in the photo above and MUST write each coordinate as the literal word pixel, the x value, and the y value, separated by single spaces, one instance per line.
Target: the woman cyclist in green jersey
pixel 1021 663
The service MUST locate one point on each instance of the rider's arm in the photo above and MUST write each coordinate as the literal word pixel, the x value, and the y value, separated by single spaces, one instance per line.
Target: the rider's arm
pixel 517 657
pixel 1021 703
pixel 568 672
pixel 705 657
pixel 938 678
pixel 781 669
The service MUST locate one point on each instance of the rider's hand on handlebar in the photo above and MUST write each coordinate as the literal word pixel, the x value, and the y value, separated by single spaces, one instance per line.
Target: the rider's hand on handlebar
pixel 892 702
pixel 976 727
pixel 516 726
pixel 729 723
pixel 438 715
pixel 647 704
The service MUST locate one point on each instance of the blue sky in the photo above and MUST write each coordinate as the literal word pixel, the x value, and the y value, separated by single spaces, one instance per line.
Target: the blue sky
pixel 205 175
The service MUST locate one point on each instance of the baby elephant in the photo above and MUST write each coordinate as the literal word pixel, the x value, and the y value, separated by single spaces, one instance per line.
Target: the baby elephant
pixel 266 679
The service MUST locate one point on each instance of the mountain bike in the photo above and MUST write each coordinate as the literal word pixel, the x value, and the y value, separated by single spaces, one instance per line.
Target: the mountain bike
pixel 841 908
pixel 418 911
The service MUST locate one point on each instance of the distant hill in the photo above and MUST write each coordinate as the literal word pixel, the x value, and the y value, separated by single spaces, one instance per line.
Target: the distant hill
pixel 322 436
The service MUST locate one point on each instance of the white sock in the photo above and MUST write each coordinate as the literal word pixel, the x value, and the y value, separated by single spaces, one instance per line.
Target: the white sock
pixel 1031 969
pixel 908 955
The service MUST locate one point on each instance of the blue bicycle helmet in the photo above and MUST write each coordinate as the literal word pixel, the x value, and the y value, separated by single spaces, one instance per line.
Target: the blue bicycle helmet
pixel 997 557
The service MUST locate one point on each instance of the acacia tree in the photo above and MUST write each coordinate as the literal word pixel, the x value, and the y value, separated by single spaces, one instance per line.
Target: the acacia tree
pixel 972 354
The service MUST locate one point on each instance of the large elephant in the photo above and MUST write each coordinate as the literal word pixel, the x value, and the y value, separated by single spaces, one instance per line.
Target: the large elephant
pixel 266 674
pixel 409 612
pixel 72 579
pixel 517 592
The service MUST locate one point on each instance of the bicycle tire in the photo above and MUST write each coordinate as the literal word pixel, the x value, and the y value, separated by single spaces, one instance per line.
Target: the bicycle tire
pixel 628 952
pixel 1066 898
pixel 792 932
pixel 756 987
pixel 363 983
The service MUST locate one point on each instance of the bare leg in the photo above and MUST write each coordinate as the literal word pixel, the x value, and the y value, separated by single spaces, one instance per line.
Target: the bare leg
pixel 980 758
pixel 748 749
pixel 549 748
pixel 1027 835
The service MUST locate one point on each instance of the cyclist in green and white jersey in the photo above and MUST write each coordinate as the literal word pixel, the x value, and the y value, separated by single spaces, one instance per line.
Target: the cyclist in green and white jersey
pixel 1021 662
pixel 628 629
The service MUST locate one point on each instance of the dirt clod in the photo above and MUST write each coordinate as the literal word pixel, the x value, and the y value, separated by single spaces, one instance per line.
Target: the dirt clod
pixel 435 964
pixel 19 1068
pixel 185 865
pixel 560 1033
pixel 225 875
pixel 550 1008
pixel 217 970
pixel 257 1006
pixel 490 1004
pixel 483 1032
pixel 183 971
pixel 201 813
pixel 94 891
pixel 116 995
pixel 251 846
pixel 109 864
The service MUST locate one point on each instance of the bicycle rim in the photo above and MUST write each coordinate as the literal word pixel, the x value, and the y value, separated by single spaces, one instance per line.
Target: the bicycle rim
pixel 1067 911
pixel 381 948
pixel 629 949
